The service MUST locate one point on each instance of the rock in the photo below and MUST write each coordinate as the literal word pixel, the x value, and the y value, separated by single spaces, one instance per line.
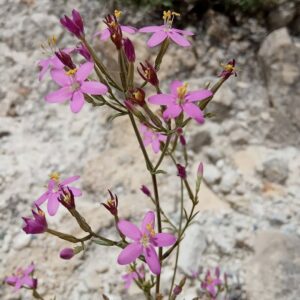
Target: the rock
pixel 21 241
pixel 200 139
pixel 239 136
pixel 212 174
pixel 274 271
pixel 275 170
pixel 228 181
pixel 192 247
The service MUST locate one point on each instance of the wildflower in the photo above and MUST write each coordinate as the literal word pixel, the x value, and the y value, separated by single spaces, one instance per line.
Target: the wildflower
pixel 55 189
pixel 66 198
pixel 66 59
pixel 200 170
pixel 67 253
pixel 144 241
pixel 148 73
pixel 112 204
pixel 115 31
pixel 177 290
pixel 83 51
pixel 133 275
pixel 228 69
pixel 129 50
pixel 181 136
pixel 38 224
pixel 137 96
pixel 181 171
pixel 212 284
pixel 74 25
pixel 180 100
pixel 160 33
pixel 152 137
pixel 74 85
pixel 146 191
pixel 22 278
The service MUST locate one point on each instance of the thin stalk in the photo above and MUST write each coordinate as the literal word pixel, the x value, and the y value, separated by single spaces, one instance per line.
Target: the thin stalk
pixel 163 153
pixel 179 234
pixel 36 295
pixel 68 237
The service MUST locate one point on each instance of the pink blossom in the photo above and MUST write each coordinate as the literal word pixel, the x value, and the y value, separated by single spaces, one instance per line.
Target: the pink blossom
pixel 212 284
pixel 181 100
pixel 55 190
pixel 74 85
pixel 152 137
pixel 22 278
pixel 105 33
pixel 38 224
pixel 133 275
pixel 144 241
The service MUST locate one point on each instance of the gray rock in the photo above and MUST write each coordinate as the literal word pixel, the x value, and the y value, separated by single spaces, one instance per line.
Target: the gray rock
pixel 21 241
pixel 212 174
pixel 275 170
pixel 228 181
pixel 200 139
pixel 274 271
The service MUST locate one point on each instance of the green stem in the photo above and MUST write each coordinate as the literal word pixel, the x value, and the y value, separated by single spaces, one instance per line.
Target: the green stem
pixel 36 295
pixel 163 153
pixel 179 235
pixel 68 237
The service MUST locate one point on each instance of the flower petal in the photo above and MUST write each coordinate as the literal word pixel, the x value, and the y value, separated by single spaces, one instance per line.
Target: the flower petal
pixel 93 88
pixel 174 86
pixel 198 95
pixel 130 253
pixel 152 259
pixel 156 146
pixel 130 230
pixel 105 34
pixel 172 111
pixel 178 39
pixel 60 77
pixel 76 192
pixel 128 29
pixel 84 71
pixel 77 102
pixel 53 204
pixel 194 112
pixel 161 99
pixel 164 239
pixel 150 29
pixel 183 32
pixel 157 38
pixel 69 180
pixel 42 199
pixel 60 95
pixel 148 219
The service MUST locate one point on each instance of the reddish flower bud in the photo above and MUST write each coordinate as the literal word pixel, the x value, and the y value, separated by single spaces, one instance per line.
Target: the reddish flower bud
pixel 200 170
pixel 112 204
pixel 82 50
pixel 67 198
pixel 148 73
pixel 137 96
pixel 66 59
pixel 228 69
pixel 146 191
pixel 177 290
pixel 129 50
pixel 115 30
pixel 181 171
pixel 36 225
pixel 66 253
pixel 74 25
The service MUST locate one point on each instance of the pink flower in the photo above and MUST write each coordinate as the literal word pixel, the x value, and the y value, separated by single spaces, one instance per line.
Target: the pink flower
pixel 133 275
pixel 36 225
pixel 144 241
pixel 105 33
pixel 212 284
pixel 22 278
pixel 67 253
pixel 74 24
pixel 160 33
pixel 55 190
pixel 181 100
pixel 151 137
pixel 74 85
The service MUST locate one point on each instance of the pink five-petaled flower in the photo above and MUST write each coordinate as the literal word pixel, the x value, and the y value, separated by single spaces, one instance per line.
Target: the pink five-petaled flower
pixel 212 284
pixel 36 225
pixel 144 241
pixel 55 190
pixel 22 278
pixel 181 100
pixel 151 137
pixel 160 33
pixel 133 275
pixel 74 85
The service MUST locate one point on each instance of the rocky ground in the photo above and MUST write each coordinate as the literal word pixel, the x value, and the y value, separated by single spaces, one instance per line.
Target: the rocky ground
pixel 249 209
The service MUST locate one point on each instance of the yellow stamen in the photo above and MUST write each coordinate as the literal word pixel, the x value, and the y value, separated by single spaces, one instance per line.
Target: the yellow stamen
pixel 167 15
pixel 117 13
pixel 182 90
pixel 228 67
pixel 54 176
pixel 150 229
pixel 137 95
pixel 52 40
pixel 71 72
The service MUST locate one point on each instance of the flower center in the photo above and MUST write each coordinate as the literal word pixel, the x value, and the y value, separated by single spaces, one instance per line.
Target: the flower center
pixel 181 92
pixel 145 240
pixel 168 17
pixel 71 72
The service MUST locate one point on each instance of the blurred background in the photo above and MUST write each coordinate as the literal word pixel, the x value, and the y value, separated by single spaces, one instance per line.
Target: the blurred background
pixel 249 202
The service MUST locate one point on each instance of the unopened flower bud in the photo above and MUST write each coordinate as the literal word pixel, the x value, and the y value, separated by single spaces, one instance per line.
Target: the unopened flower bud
pixel 74 25
pixel 228 69
pixel 137 96
pixel 181 171
pixel 148 73
pixel 112 204
pixel 177 290
pixel 129 50
pixel 66 253
pixel 67 199
pixel 115 30
pixel 66 59
pixel 200 170
pixel 146 191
